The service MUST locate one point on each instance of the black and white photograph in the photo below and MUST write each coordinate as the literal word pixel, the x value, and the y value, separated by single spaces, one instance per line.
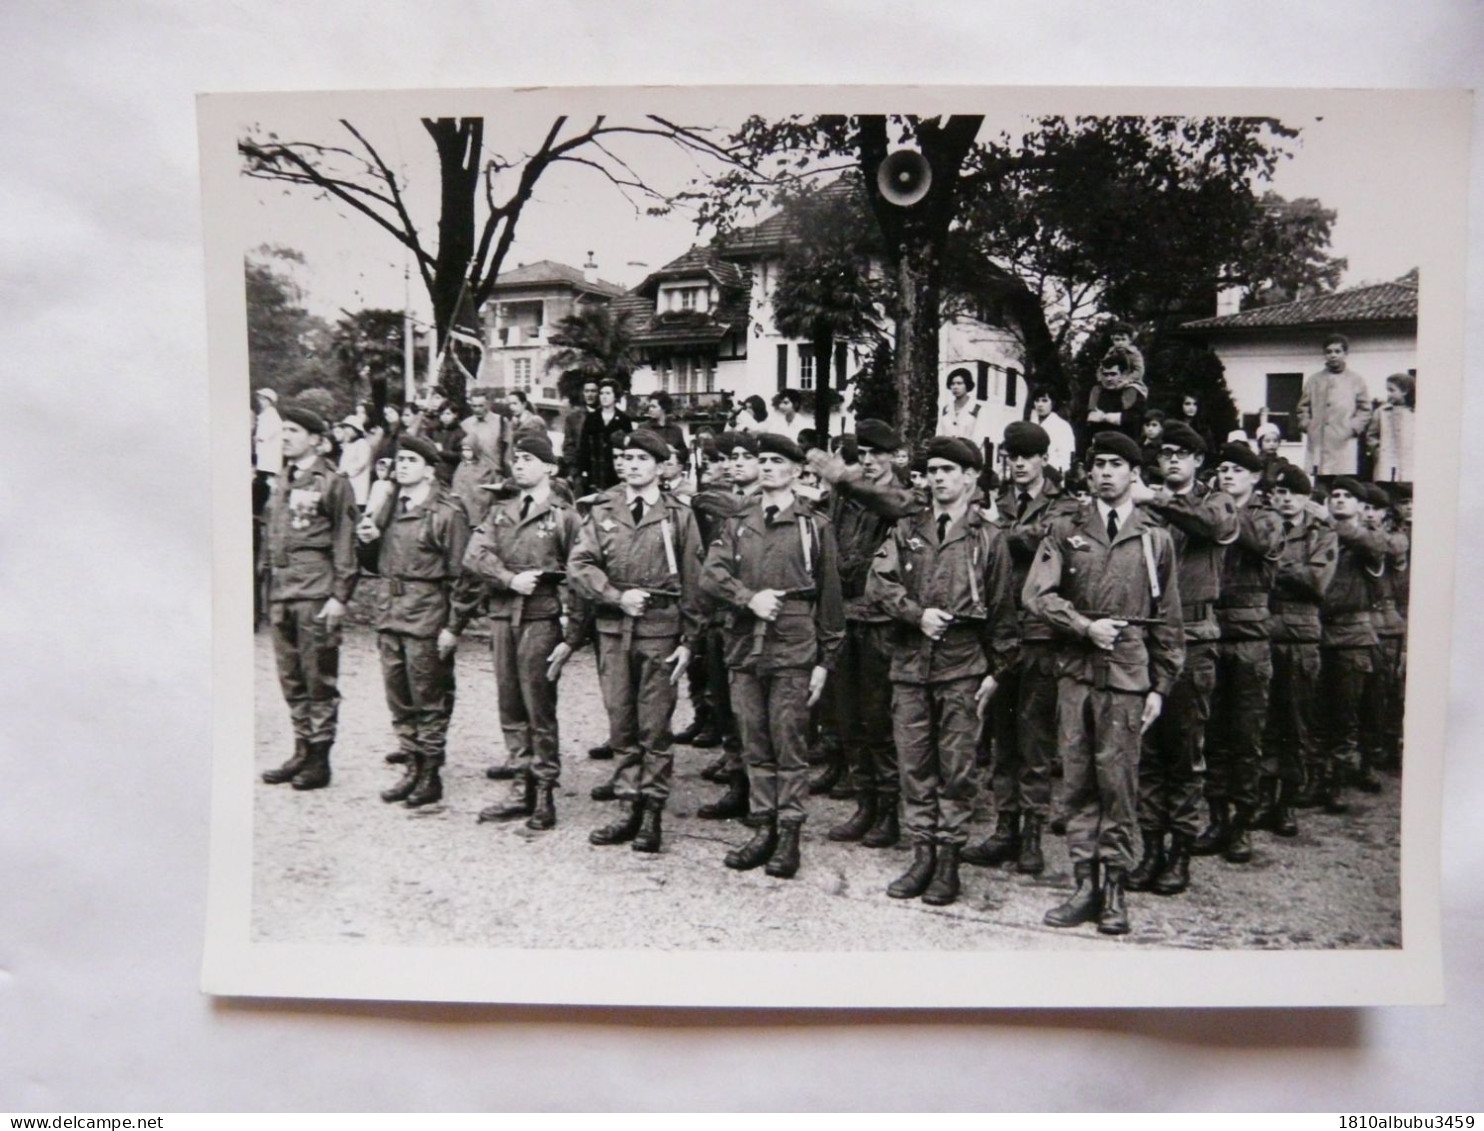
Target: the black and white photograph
pixel 874 546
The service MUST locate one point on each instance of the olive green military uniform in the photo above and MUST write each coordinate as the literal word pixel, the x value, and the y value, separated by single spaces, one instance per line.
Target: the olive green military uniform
pixel 1347 647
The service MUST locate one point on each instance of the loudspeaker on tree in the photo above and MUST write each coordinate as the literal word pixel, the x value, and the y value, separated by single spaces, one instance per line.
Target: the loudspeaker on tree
pixel 904 178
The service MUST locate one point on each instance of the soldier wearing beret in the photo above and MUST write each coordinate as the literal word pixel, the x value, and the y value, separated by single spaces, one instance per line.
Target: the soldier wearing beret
pixel 773 569
pixel 637 559
pixel 1202 524
pixel 309 557
pixel 1306 567
pixel 944 575
pixel 419 536
pixel 1024 708
pixel 1383 693
pixel 1348 641
pixel 1244 664
pixel 1107 581
pixel 518 559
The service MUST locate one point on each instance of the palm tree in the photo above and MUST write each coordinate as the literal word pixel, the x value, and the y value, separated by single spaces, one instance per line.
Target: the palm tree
pixel 594 342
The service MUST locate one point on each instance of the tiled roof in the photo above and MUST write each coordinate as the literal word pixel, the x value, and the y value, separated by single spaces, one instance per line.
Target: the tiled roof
pixel 774 233
pixel 1380 302
pixel 731 312
pixel 696 262
pixel 548 271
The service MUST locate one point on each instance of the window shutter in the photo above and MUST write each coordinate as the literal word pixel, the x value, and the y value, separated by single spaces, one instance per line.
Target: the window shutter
pixel 782 366
pixel 840 378
pixel 1012 378
pixel 983 391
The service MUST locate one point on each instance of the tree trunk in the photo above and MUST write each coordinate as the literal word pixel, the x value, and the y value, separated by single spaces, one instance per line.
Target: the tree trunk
pixel 918 322
pixel 460 144
pixel 824 380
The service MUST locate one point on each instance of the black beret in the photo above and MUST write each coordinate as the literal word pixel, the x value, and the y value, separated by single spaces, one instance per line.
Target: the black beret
pixel 955 450
pixel 1022 438
pixel 1349 486
pixel 1116 444
pixel 1401 492
pixel 731 441
pixel 650 443
pixel 538 446
pixel 781 445
pixel 1294 479
pixel 426 449
pixel 877 434
pixel 1179 435
pixel 305 419
pixel 1241 455
pixel 1376 495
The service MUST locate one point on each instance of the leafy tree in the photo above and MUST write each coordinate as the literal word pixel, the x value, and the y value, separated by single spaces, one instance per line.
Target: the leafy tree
pixel 1285 257
pixel 369 351
pixel 592 343
pixel 288 349
pixel 481 197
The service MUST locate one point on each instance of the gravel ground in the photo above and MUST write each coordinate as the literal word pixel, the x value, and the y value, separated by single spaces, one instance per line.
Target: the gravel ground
pixel 338 865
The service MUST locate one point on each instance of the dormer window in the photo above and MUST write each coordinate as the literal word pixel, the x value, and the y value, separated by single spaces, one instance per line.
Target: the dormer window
pixel 688 297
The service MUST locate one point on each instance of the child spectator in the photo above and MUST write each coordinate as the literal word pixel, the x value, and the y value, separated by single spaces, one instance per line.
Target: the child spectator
pixel 1388 436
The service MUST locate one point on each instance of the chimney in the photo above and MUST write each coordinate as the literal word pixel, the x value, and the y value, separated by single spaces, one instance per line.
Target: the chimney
pixel 590 269
pixel 1228 301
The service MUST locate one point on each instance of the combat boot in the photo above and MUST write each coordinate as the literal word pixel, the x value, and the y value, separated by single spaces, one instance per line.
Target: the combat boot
pixel 757 851
pixel 290 769
pixel 647 839
pixel 784 863
pixel 1059 825
pixel 914 881
pixel 621 831
pixel 1113 917
pixel 315 773
pixel 604 792
pixel 1001 845
pixel 859 823
pixel 886 831
pixel 944 888
pixel 1151 862
pixel 520 803
pixel 732 803
pixel 708 737
pixel 1031 861
pixel 1283 823
pixel 1239 837
pixel 827 779
pixel 1084 903
pixel 602 753
pixel 849 785
pixel 405 784
pixel 1365 779
pixel 717 770
pixel 545 815
pixel 429 787
pixel 397 758
pixel 1212 841
pixel 506 771
pixel 697 724
pixel 1267 803
pixel 1174 878
pixel 1331 798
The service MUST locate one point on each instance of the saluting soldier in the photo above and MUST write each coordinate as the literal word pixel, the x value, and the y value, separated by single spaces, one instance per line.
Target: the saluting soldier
pixel 1107 580
pixel 309 556
pixel 1348 641
pixel 1024 708
pixel 944 575
pixel 774 569
pixel 1244 663
pixel 1202 524
pixel 518 557
pixel 1305 570
pixel 419 536
pixel 638 559
pixel 1383 691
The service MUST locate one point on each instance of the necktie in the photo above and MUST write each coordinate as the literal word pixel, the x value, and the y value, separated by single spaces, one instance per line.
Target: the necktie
pixel 1112 525
pixel 638 510
pixel 1024 499
pixel 406 504
pixel 943 521
pixel 770 513
pixel 525 506
pixel 1287 528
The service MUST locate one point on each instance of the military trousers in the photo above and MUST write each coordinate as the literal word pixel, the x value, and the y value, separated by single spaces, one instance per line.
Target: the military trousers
pixel 527 699
pixel 863 710
pixel 419 692
pixel 1379 734
pixel 1342 677
pixel 1239 713
pixel 1172 764
pixel 936 726
pixel 773 714
pixel 639 699
pixel 1024 729
pixel 308 655
pixel 1098 733
pixel 1290 744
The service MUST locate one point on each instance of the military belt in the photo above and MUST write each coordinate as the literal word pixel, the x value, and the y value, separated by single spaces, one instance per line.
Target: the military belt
pixel 397 586
pixel 1250 600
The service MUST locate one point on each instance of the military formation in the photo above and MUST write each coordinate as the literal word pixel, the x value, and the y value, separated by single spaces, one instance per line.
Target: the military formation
pixel 1160 655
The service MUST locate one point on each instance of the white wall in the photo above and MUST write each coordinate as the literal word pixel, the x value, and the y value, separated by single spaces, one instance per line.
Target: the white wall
pixel 1374 356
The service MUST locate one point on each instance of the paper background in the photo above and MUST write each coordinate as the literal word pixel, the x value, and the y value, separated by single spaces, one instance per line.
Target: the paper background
pixel 107 552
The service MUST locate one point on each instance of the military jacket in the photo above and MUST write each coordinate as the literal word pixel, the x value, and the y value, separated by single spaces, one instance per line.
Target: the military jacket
pixel 505 545
pixel 1360 566
pixel 661 554
pixel 309 547
pixel 969 575
pixel 1203 523
pixel 1247 573
pixel 1306 566
pixel 1078 575
pixel 861 525
pixel 793 552
pixel 1023 533
pixel 1387 612
pixel 418 557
